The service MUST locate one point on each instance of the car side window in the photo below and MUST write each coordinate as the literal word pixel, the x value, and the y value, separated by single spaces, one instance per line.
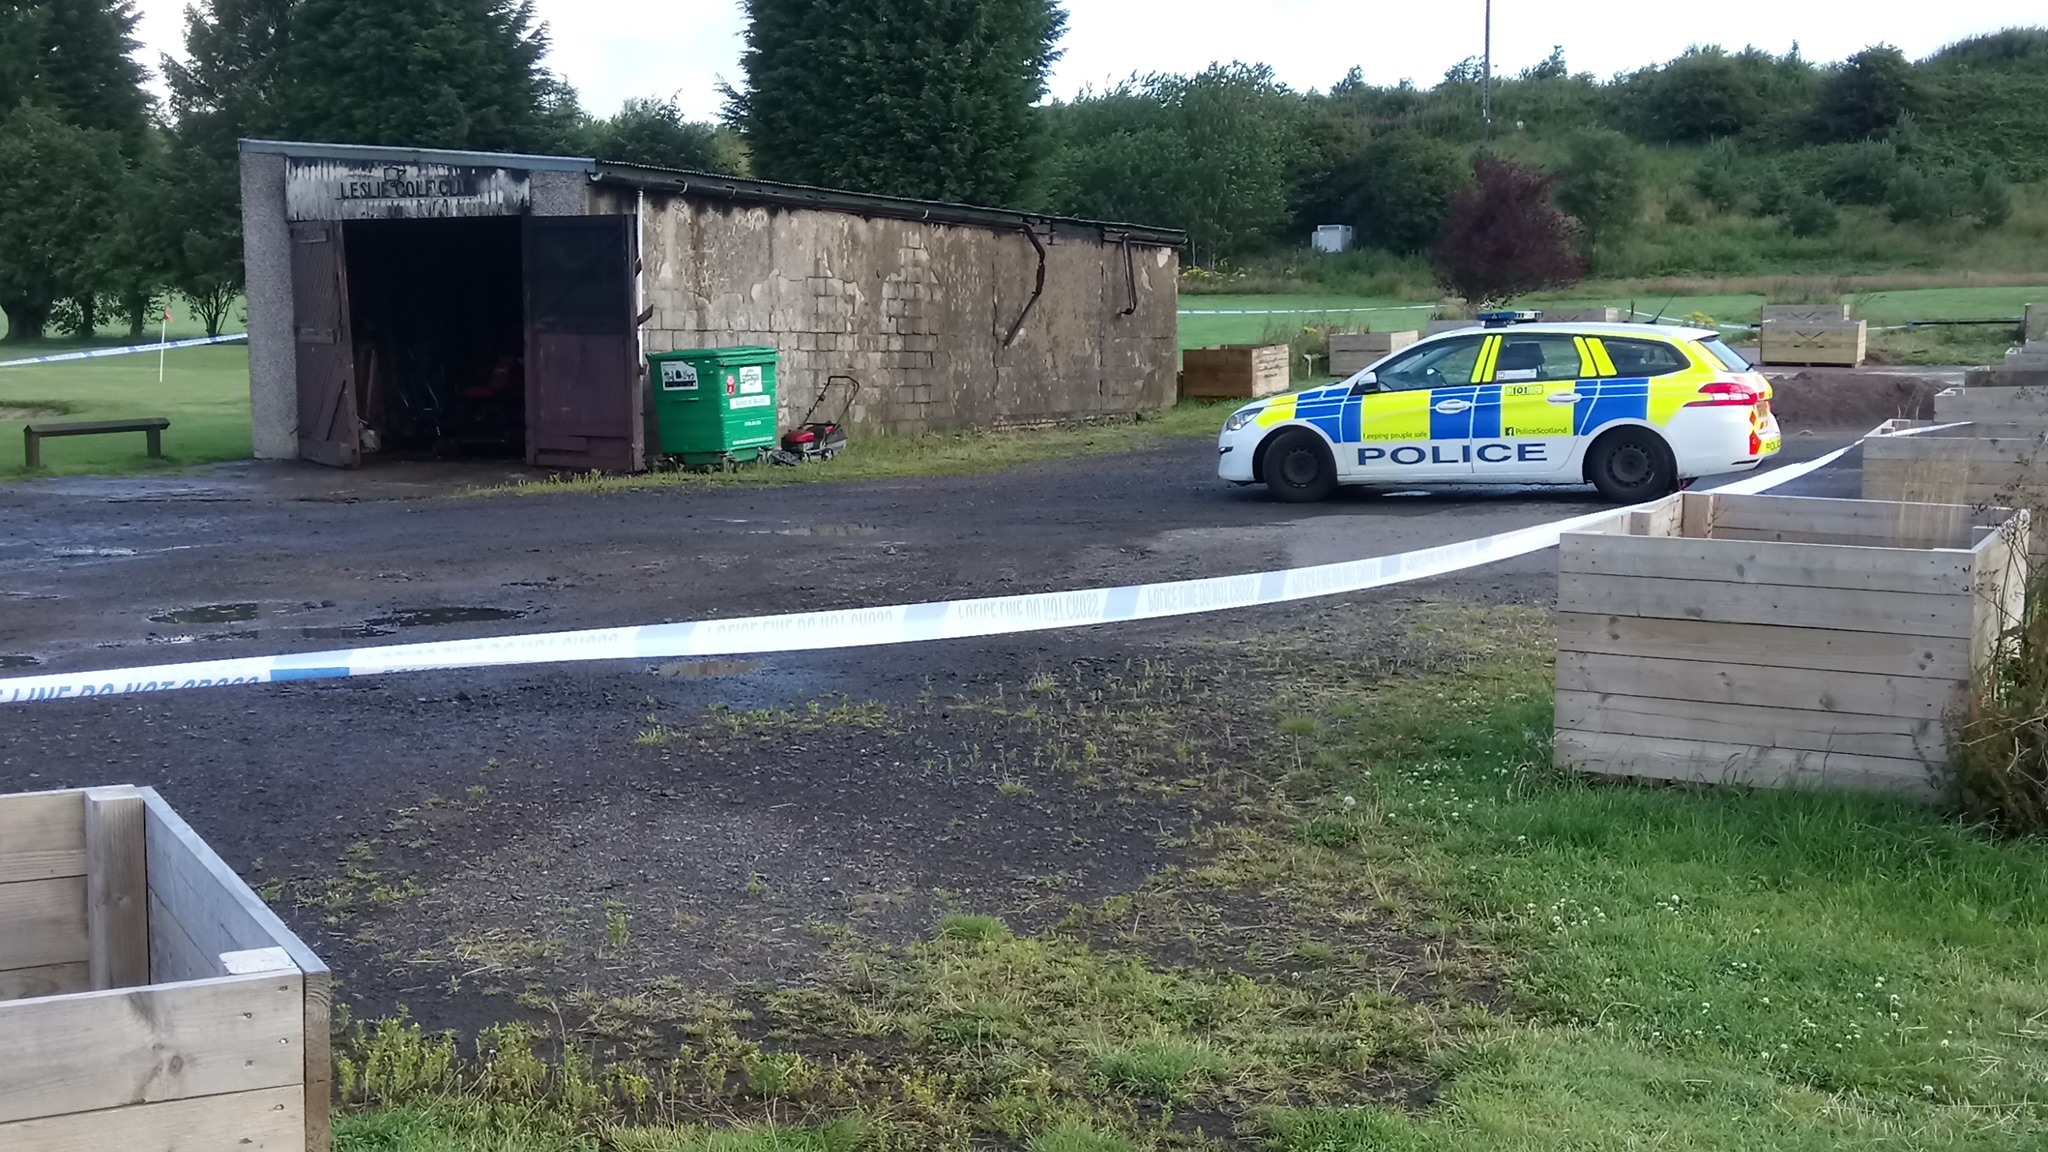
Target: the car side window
pixel 1644 357
pixel 1526 358
pixel 1434 365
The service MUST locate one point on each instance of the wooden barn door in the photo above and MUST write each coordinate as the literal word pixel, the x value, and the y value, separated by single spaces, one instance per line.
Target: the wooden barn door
pixel 583 408
pixel 328 432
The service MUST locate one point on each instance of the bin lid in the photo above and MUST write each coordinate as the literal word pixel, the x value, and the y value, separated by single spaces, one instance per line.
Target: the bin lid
pixel 739 357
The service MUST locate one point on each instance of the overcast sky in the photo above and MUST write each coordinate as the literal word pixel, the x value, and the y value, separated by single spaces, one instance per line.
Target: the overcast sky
pixel 614 49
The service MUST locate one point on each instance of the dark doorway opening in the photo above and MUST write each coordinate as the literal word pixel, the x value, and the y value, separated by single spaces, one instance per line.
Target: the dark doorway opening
pixel 436 313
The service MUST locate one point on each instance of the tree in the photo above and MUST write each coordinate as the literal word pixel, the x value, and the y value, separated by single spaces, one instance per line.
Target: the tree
pixel 1862 172
pixel 203 251
pixel 231 82
pixel 1719 178
pixel 1774 192
pixel 1866 95
pixel 1505 238
pixel 1397 190
pixel 1552 68
pixel 1602 182
pixel 1811 214
pixel 653 132
pixel 1213 153
pixel 924 98
pixel 1703 95
pixel 433 73
pixel 59 197
pixel 89 73
pixel 1920 196
pixel 1987 196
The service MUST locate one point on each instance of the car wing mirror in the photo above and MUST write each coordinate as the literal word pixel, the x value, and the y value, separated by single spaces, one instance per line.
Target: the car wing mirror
pixel 1364 384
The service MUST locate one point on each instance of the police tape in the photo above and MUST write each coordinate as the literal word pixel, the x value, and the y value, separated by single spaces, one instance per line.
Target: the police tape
pixel 868 627
pixel 127 350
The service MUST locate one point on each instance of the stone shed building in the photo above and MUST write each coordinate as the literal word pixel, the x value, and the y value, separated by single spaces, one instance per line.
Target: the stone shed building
pixel 409 301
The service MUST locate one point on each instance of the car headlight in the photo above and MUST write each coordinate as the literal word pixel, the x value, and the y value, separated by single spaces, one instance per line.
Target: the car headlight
pixel 1240 418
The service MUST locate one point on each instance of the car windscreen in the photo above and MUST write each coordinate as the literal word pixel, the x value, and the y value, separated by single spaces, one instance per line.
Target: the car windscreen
pixel 1727 356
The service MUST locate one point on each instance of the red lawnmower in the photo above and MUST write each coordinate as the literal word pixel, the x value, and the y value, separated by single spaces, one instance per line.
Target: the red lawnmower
pixel 815 440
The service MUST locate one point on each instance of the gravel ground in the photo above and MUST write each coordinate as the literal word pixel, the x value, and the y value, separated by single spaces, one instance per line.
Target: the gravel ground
pixel 441 837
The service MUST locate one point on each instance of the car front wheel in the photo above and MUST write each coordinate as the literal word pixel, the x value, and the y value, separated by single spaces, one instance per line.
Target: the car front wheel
pixel 1631 465
pixel 1298 468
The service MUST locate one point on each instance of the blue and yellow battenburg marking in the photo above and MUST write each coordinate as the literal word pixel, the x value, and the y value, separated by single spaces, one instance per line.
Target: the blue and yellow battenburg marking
pixel 1491 412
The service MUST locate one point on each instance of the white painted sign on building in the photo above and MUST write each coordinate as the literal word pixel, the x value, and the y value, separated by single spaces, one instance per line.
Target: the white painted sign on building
pixel 377 190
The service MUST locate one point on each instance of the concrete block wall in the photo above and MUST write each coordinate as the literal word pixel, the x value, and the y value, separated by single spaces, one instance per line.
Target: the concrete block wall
pixel 916 311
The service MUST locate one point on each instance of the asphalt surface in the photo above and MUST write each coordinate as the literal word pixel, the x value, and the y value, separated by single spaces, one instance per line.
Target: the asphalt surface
pixel 287 780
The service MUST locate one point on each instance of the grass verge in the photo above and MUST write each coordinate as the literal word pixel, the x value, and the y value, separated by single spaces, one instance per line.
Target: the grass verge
pixel 876 457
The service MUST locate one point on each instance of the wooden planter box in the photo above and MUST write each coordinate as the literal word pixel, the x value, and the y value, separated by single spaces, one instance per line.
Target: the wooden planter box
pixel 148 999
pixel 1981 465
pixel 1837 343
pixel 1779 641
pixel 1236 371
pixel 1351 352
pixel 1997 396
pixel 1580 315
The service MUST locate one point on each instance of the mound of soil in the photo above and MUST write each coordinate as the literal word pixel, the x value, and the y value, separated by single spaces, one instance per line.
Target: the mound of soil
pixel 1822 399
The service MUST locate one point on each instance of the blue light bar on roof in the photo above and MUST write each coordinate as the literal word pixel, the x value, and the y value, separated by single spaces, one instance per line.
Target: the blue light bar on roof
pixel 1503 319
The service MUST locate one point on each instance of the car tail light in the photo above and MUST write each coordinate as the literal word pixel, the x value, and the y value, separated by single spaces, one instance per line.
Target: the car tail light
pixel 1727 394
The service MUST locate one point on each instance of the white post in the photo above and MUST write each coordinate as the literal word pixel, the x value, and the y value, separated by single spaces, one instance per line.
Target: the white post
pixel 163 342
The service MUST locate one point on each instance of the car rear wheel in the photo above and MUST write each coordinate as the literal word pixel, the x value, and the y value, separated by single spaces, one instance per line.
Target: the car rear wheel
pixel 1631 465
pixel 1297 467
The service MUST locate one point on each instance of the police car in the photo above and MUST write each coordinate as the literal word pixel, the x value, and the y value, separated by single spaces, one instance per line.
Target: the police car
pixel 1636 410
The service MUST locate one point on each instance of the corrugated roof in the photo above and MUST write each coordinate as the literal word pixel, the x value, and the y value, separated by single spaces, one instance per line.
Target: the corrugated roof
pixel 713 185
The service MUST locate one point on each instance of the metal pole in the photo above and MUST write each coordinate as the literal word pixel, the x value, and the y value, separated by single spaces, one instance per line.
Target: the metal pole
pixel 1486 80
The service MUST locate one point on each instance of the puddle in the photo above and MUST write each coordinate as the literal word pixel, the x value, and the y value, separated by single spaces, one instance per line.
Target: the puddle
pixel 829 530
pixel 18 661
pixel 344 632
pixel 210 614
pixel 28 412
pixel 431 617
pixel 82 553
pixel 706 669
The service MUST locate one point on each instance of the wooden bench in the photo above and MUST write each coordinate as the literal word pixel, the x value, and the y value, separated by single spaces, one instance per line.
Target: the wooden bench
pixel 32 434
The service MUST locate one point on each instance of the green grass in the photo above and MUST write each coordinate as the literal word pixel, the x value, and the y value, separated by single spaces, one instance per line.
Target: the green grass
pixel 1876 300
pixel 1301 310
pixel 1703 969
pixel 205 395
pixel 471 1125
pixel 876 457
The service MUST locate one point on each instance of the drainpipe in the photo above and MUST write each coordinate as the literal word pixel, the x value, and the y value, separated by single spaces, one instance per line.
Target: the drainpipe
pixel 1038 290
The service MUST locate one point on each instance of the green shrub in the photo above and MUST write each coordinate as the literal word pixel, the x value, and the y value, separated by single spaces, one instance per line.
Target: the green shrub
pixel 1920 196
pixel 1774 192
pixel 2001 751
pixel 1601 183
pixel 1679 211
pixel 1862 173
pixel 1719 179
pixel 1987 196
pixel 1811 214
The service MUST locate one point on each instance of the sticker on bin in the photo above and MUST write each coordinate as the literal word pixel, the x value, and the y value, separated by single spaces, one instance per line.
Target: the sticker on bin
pixel 750 379
pixel 757 401
pixel 678 376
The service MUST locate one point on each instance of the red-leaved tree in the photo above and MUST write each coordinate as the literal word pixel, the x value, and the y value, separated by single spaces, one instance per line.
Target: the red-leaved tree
pixel 1505 237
